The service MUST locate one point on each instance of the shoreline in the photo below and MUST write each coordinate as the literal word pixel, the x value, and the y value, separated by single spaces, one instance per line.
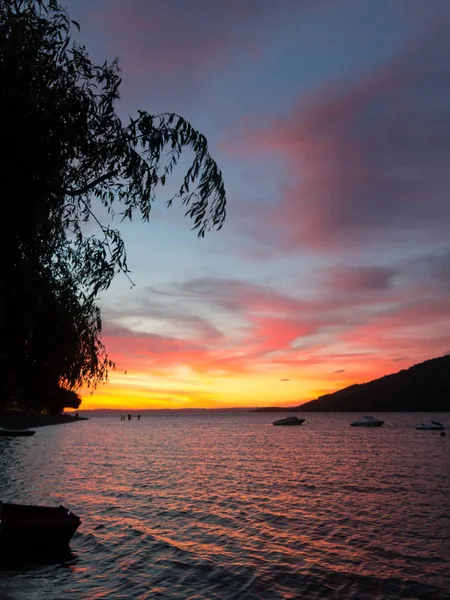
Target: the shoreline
pixel 17 421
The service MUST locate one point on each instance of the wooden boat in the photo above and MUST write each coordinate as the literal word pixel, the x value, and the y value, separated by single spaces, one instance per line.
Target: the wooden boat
pixel 16 432
pixel 289 421
pixel 28 527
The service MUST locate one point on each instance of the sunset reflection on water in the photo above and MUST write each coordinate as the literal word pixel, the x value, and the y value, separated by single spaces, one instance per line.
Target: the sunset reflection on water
pixel 228 506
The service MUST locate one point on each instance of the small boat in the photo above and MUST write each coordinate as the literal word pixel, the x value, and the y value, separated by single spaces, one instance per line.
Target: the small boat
pixel 432 425
pixel 28 527
pixel 289 421
pixel 367 421
pixel 16 432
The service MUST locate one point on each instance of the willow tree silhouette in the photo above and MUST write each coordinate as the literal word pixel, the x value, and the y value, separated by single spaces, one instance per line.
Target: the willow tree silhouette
pixel 65 152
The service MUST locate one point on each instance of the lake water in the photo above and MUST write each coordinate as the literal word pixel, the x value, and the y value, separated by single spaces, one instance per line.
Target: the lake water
pixel 227 506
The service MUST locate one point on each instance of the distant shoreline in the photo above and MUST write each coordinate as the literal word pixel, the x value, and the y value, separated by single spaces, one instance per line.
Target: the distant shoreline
pixel 145 412
pixel 20 420
pixel 350 410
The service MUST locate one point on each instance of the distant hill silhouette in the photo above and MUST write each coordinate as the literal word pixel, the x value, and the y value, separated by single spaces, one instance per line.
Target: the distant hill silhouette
pixel 423 387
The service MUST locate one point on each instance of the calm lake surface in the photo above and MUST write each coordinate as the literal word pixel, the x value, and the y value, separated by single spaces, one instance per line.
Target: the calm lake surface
pixel 227 506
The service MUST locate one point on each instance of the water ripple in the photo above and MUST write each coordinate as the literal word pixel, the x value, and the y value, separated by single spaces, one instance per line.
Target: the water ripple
pixel 227 506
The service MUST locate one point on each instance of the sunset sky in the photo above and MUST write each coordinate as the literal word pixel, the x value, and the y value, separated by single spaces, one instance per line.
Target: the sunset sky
pixel 330 120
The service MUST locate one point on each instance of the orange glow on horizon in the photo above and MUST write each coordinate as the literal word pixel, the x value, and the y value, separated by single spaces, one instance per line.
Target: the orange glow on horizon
pixel 269 356
pixel 140 391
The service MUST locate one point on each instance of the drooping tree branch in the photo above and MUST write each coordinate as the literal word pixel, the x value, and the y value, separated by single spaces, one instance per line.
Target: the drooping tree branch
pixel 63 149
pixel 90 186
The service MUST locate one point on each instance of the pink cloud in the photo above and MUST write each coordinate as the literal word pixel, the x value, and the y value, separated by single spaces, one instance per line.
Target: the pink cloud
pixel 367 164
pixel 358 324
pixel 169 37
pixel 275 333
pixel 417 329
pixel 355 280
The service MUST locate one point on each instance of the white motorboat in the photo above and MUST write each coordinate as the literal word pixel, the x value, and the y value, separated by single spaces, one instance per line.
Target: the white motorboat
pixel 432 425
pixel 367 421
pixel 289 421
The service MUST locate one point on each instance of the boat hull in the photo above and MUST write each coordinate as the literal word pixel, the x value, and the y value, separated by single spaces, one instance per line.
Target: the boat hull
pixel 368 424
pixel 36 527
pixel 289 422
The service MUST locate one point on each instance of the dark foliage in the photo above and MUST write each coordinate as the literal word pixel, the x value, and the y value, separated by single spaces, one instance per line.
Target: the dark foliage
pixel 65 154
